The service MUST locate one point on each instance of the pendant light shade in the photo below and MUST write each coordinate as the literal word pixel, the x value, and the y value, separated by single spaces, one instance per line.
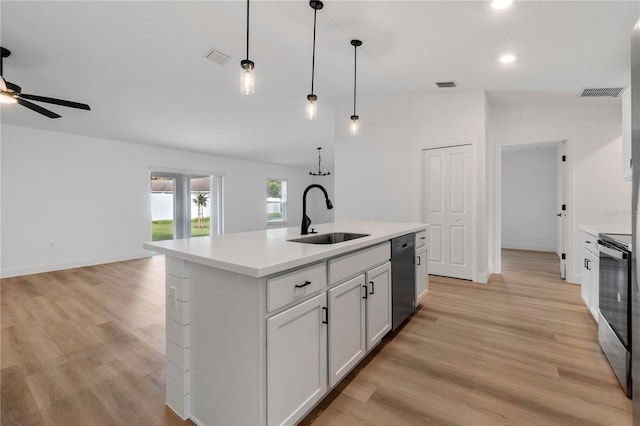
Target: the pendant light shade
pixel 312 107
pixel 320 172
pixel 247 78
pixel 354 128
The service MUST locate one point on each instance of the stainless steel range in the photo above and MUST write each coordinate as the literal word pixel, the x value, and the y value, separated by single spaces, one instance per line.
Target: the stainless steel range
pixel 614 322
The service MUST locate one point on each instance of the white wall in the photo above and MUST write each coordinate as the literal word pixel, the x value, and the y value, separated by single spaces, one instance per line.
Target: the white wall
pixel 71 200
pixel 597 192
pixel 530 199
pixel 378 173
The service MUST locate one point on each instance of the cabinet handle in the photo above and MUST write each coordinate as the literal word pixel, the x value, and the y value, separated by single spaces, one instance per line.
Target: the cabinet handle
pixel 306 283
pixel 419 260
pixel 366 292
pixel 423 238
pixel 373 289
pixel 588 264
pixel 326 315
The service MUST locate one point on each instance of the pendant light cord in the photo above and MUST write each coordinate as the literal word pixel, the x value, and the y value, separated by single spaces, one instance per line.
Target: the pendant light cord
pixel 313 57
pixel 355 65
pixel 247 29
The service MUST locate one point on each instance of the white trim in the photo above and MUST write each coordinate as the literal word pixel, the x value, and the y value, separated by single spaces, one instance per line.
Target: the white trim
pixel 37 269
pixel 517 246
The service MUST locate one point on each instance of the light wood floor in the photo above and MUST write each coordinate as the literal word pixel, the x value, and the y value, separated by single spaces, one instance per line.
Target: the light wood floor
pixel 521 350
pixel 86 347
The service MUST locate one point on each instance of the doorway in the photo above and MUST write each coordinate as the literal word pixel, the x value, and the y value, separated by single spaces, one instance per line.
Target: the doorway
pixel 532 208
pixel 185 205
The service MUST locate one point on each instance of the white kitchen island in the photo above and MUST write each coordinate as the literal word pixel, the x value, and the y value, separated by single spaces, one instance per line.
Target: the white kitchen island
pixel 259 328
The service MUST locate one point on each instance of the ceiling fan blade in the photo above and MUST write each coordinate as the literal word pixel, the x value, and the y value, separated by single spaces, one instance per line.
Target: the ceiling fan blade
pixel 37 108
pixel 69 104
pixel 3 85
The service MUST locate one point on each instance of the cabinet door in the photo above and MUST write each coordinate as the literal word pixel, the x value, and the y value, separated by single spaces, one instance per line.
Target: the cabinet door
pixel 296 360
pixel 378 287
pixel 347 340
pixel 422 279
pixel 594 280
pixel 585 278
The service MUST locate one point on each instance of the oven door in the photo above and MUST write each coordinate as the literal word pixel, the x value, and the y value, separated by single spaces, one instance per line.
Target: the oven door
pixel 614 289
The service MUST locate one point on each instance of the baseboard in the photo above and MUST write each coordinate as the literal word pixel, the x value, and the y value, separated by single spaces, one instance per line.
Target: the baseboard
pixel 482 277
pixel 517 246
pixel 38 269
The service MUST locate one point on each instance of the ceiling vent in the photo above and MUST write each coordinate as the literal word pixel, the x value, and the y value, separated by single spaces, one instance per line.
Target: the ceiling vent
pixel 217 57
pixel 611 92
pixel 446 84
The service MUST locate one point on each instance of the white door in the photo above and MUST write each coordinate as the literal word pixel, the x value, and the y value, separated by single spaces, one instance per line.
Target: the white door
pixel 347 340
pixel 296 360
pixel 377 291
pixel 562 210
pixel 446 183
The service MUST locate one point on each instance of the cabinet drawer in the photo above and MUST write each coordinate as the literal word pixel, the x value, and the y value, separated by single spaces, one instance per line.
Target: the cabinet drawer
pixel 421 239
pixel 353 264
pixel 284 289
pixel 589 242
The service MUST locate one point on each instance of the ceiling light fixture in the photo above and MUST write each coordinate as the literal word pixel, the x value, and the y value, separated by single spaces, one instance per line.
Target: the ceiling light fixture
pixel 508 58
pixel 354 129
pixel 247 78
pixel 312 109
pixel 320 172
pixel 501 4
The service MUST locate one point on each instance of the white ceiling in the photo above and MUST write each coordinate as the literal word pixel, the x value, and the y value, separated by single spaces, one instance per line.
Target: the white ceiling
pixel 140 64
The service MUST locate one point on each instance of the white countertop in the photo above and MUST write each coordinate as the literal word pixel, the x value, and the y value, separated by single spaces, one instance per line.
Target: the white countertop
pixel 605 229
pixel 261 253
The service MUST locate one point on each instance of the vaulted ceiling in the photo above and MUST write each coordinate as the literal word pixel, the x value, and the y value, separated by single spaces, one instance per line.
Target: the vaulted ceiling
pixel 140 64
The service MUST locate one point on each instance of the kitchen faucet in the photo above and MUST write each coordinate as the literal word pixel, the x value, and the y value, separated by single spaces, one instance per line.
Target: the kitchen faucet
pixel 304 229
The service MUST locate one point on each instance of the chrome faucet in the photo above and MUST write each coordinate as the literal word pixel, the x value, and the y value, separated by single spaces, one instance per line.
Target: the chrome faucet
pixel 304 229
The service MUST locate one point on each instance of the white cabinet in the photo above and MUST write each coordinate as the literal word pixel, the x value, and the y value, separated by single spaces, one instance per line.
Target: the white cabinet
pixel 347 340
pixel 626 134
pixel 296 360
pixel 590 273
pixel 378 297
pixel 422 278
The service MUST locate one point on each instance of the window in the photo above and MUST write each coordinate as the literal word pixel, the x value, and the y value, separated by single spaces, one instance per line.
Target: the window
pixel 185 205
pixel 276 201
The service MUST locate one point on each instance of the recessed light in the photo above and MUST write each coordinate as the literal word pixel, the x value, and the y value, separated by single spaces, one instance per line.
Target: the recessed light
pixel 501 4
pixel 507 58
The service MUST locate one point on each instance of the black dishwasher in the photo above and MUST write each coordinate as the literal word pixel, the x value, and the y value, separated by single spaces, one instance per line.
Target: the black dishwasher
pixel 403 278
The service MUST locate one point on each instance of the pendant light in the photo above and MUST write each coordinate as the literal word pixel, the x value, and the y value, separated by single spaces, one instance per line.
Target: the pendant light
pixel 354 128
pixel 312 109
pixel 320 172
pixel 247 78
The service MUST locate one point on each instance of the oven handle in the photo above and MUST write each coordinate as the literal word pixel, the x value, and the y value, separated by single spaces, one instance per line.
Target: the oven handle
pixel 613 253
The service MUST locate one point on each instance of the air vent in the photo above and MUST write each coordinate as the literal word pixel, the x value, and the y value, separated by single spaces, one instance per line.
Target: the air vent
pixel 611 92
pixel 217 57
pixel 446 84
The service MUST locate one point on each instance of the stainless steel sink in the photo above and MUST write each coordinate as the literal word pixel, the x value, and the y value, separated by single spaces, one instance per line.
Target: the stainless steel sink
pixel 332 238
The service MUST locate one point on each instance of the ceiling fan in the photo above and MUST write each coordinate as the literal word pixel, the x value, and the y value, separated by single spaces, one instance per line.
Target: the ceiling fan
pixel 12 93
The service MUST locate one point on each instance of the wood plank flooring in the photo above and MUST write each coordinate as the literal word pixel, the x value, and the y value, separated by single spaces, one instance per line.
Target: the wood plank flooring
pixel 521 350
pixel 85 346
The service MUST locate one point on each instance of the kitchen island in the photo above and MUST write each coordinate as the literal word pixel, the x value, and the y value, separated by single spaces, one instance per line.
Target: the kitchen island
pixel 259 329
